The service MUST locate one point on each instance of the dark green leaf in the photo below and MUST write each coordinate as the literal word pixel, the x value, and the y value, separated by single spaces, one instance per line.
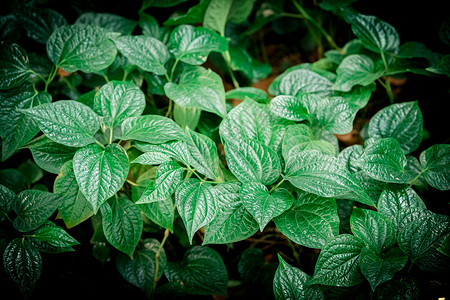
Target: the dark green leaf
pixel 292 283
pixel 100 173
pixel 216 15
pixel 435 162
pixel 52 239
pixel 110 22
pixel 311 222
pixel 201 272
pixel 33 208
pixel 192 16
pixel 396 197
pixel 338 262
pixel 14 65
pixel 400 289
pixel 39 23
pixel 124 229
pixel 349 157
pixel 7 198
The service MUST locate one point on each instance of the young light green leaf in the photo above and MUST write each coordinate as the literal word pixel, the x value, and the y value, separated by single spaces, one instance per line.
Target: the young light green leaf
pixel 33 208
pixel 18 128
pixel 81 47
pixel 186 116
pixel 203 154
pixel 23 264
pixel 14 65
pixel 381 268
pixel 152 129
pixel 292 283
pixel 216 15
pixel 311 222
pixel 168 177
pixel 401 121
pixel 264 205
pixel 161 212
pixel 117 101
pixel 196 205
pixel 110 22
pixel 140 271
pixel 146 52
pixel 314 172
pixel 338 262
pixel 66 122
pixel 200 88
pixel 201 271
pixel 100 173
pixel 125 227
pixel 374 229
pixel 396 197
pixel 356 69
pixel 74 208
pixel 302 81
pixel 300 137
pixel 192 45
pixel 251 161
pixel 435 162
pixel 52 239
pixel 375 34
pixel 251 92
pixel 385 161
pixel 232 222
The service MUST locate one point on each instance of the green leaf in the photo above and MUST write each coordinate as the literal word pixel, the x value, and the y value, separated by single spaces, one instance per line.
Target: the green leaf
pixel 374 229
pixel 7 198
pixel 381 268
pixel 14 65
pixel 17 128
pixel 300 137
pixel 23 264
pixel 201 272
pixel 146 52
pixel 52 239
pixel 396 197
pixel 151 158
pixel 203 154
pixel 420 238
pixel 290 107
pixel 152 129
pixel 140 271
pixel 356 69
pixel 216 15
pixel 251 161
pixel 200 88
pixel 375 34
pixel 100 173
pixel 316 173
pixel 160 3
pixel 161 212
pixel 12 179
pixel 338 262
pixel 168 177
pixel 435 162
pixel 232 222
pixel 110 22
pixel 117 101
pixel 401 121
pixel 194 15
pixel 39 23
pixel 385 161
pixel 358 96
pixel 301 81
pixel 254 271
pixel 49 155
pixel 251 92
pixel 186 116
pixel 349 157
pixel 264 205
pixel 124 229
pixel 30 171
pixel 403 288
pixel 195 204
pixel 408 215
pixel 66 122
pixel 74 207
pixel 192 45
pixel 33 208
pixel 292 283
pixel 81 47
pixel 311 222
pixel 240 11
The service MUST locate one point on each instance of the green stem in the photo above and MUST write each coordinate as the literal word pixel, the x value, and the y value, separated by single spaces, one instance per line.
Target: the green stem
pixel 157 257
pixel 227 57
pixel 172 72
pixel 276 186
pixel 132 183
pixel 125 75
pixel 51 76
pixel 389 90
pixel 38 75
pixel 110 135
pixel 417 177
pixel 100 144
pixel 8 217
pixel 169 109
pixel 315 23
pixel 289 15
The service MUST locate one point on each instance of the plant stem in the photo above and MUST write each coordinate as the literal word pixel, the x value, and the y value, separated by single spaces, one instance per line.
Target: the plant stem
pixel 315 23
pixel 172 72
pixel 51 76
pixel 38 75
pixel 8 217
pixel 169 109
pixel 276 186
pixel 417 177
pixel 157 256
pixel 132 183
pixel 110 135
pixel 100 144
pixel 389 90
pixel 226 56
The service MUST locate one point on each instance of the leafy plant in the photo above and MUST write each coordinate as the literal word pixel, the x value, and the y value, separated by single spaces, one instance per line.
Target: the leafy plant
pixel 152 151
